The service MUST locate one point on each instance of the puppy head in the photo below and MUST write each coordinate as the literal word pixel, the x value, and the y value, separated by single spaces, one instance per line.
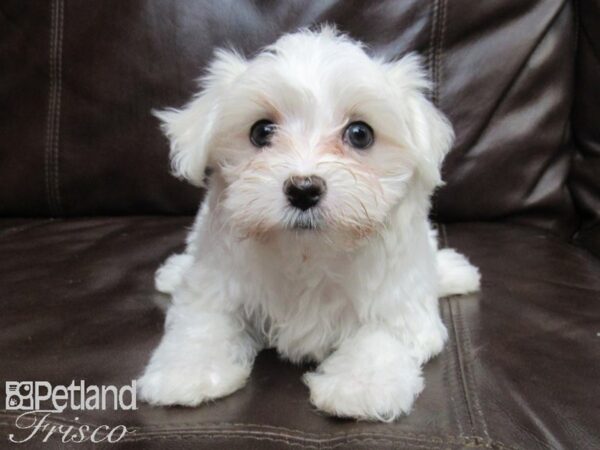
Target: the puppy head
pixel 311 134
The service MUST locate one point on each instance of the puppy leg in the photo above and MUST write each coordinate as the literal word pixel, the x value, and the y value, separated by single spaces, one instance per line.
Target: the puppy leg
pixel 170 274
pixel 456 275
pixel 202 356
pixel 371 376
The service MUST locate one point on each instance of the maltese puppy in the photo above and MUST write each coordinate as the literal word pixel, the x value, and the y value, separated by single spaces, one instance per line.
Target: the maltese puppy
pixel 314 236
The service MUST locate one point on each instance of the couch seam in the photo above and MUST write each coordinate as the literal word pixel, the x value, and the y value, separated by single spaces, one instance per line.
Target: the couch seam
pixel 51 170
pixel 576 13
pixel 436 44
pixel 50 117
pixel 462 366
pixel 573 138
pixel 213 429
pixel 431 52
pixel 434 59
pixel 464 354
pixel 227 426
pixel 316 440
pixel 450 365
pixel 453 351
pixel 440 54
pixel 290 441
pixel 56 151
pixel 451 371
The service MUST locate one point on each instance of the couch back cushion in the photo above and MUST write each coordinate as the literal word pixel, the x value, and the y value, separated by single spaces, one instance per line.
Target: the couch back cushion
pixel 585 172
pixel 79 80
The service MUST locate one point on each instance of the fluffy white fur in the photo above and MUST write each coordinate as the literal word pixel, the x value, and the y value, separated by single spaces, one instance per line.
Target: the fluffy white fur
pixel 359 293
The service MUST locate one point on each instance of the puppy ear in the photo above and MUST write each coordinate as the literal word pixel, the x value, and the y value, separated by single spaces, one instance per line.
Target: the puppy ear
pixel 191 129
pixel 429 131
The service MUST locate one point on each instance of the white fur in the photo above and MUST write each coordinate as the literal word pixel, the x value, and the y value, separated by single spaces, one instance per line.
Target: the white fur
pixel 170 274
pixel 370 376
pixel 358 294
pixel 455 273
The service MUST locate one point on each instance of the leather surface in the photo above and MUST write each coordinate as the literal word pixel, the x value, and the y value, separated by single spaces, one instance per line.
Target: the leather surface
pixel 520 369
pixel 518 79
pixel 80 79
pixel 585 180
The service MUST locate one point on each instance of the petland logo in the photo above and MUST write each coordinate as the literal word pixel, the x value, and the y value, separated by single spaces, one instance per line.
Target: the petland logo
pixel 39 400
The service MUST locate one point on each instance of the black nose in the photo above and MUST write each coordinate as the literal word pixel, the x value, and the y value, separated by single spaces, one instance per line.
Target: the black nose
pixel 304 192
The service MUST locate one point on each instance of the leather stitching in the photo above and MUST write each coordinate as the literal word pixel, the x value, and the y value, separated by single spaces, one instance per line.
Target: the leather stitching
pixel 431 53
pixel 51 101
pixel 461 374
pixel 434 58
pixel 229 427
pixel 56 150
pixel 442 46
pixel 51 173
pixel 281 439
pixel 439 54
pixel 577 27
pixel 304 439
pixel 476 442
pixel 436 43
pixel 452 372
pixel 225 426
pixel 449 357
pixel 464 353
pixel 316 442
pixel 466 340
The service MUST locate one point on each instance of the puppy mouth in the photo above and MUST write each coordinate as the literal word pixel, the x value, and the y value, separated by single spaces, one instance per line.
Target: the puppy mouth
pixel 309 220
pixel 301 225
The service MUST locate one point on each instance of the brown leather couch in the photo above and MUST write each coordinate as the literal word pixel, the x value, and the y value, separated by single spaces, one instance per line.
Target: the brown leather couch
pixel 89 211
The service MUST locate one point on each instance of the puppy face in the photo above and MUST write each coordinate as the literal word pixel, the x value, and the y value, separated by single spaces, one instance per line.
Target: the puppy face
pixel 311 135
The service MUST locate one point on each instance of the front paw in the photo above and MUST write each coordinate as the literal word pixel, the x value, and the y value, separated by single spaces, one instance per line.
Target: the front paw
pixel 364 393
pixel 190 386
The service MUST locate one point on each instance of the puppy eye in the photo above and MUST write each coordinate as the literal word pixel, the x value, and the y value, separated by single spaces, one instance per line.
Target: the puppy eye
pixel 359 135
pixel 261 133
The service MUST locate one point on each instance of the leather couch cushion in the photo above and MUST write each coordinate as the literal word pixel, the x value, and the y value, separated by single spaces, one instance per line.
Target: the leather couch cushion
pixel 79 80
pixel 520 370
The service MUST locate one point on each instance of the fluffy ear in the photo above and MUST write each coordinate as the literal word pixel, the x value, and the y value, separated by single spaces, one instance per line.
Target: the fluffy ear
pixel 191 129
pixel 429 131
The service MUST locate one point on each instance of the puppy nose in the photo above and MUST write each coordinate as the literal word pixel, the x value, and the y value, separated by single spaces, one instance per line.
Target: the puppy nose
pixel 304 192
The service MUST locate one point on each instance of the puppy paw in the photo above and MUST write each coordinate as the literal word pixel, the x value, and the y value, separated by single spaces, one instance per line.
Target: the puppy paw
pixel 346 396
pixel 371 378
pixel 456 274
pixel 190 386
pixel 170 274
pixel 429 341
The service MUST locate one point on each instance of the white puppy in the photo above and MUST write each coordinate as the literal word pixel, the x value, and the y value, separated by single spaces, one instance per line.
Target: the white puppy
pixel 314 236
